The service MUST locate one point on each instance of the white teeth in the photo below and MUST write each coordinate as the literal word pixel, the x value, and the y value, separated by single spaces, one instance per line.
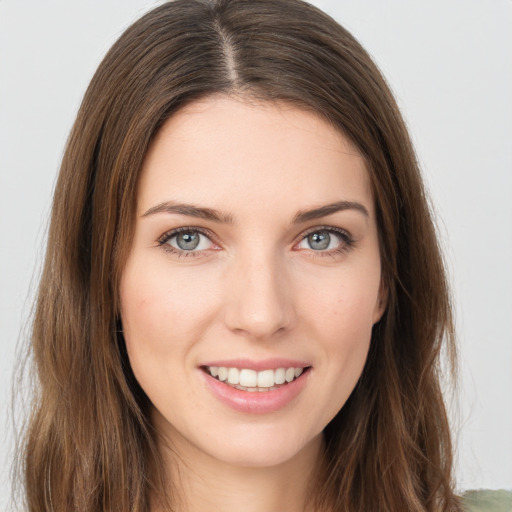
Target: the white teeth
pixel 280 376
pixel 233 375
pixel 251 380
pixel 266 379
pixel 248 378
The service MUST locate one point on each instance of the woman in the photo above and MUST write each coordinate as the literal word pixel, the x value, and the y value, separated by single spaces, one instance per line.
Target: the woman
pixel 239 205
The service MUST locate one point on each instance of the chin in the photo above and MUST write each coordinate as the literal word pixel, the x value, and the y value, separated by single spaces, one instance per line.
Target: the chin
pixel 265 447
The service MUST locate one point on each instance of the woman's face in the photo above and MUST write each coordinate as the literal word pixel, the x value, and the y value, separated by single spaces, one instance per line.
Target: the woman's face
pixel 255 263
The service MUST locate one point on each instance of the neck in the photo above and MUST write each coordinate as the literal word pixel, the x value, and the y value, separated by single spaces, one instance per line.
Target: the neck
pixel 202 483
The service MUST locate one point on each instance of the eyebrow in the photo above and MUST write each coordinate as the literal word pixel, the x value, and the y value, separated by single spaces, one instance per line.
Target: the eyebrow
pixel 189 210
pixel 216 216
pixel 324 211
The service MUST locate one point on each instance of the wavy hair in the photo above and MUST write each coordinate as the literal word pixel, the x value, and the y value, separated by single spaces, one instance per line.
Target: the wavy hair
pixel 90 445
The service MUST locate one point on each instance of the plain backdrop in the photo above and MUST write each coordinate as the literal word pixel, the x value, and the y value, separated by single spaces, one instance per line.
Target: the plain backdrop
pixel 449 63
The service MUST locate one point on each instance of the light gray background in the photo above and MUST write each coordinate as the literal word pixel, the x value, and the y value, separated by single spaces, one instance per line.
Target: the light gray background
pixel 449 63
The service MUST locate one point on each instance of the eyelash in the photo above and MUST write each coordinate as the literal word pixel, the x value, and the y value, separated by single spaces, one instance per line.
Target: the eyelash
pixel 347 242
pixel 166 237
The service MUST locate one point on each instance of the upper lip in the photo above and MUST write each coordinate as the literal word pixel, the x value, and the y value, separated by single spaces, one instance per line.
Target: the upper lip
pixel 263 364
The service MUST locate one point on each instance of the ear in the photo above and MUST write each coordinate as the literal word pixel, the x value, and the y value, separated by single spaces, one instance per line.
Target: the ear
pixel 382 302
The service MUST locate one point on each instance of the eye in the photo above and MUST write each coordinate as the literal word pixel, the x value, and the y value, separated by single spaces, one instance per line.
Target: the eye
pixel 328 240
pixel 186 240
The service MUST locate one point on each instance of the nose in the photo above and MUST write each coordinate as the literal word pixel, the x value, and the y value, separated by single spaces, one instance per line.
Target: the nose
pixel 260 299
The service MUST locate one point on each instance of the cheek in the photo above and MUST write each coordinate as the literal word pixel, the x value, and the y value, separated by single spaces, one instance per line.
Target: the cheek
pixel 343 303
pixel 160 316
pixel 347 327
pixel 157 304
pixel 341 312
pixel 143 317
pixel 164 316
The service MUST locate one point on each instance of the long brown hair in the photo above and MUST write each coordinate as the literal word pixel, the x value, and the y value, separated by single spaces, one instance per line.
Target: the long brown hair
pixel 90 445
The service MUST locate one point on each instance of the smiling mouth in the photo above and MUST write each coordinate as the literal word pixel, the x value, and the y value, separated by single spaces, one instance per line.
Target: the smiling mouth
pixel 246 379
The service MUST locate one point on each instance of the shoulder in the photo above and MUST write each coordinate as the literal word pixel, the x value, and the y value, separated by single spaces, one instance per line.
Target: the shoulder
pixel 487 501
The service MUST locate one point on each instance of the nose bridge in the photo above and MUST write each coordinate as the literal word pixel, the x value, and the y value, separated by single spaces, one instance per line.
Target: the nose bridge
pixel 259 303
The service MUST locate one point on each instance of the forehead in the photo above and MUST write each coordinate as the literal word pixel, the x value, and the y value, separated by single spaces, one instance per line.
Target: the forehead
pixel 231 153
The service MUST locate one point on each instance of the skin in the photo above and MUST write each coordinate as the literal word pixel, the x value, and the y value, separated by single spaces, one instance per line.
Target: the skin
pixel 253 289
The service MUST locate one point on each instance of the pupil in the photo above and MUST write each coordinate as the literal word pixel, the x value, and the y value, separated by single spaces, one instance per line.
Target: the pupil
pixel 319 240
pixel 188 240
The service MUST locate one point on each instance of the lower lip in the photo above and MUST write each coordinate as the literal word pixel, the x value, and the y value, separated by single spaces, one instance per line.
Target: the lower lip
pixel 256 402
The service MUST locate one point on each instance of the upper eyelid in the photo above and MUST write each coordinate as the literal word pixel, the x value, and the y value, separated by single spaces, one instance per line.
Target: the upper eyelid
pixel 333 229
pixel 324 228
pixel 176 231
